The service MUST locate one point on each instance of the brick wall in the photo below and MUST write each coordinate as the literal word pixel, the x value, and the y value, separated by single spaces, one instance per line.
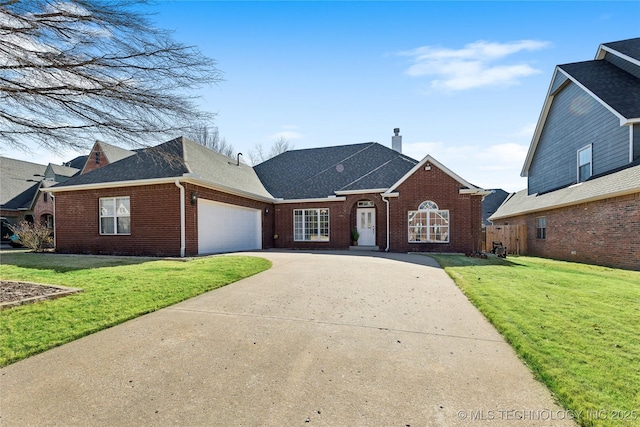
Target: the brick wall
pixel 604 232
pixel 155 220
pixel 91 164
pixel 43 206
pixel 465 217
pixel 465 212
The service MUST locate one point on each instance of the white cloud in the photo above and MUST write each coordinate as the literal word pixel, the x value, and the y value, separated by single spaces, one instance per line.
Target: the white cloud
pixel 493 166
pixel 286 134
pixel 475 65
pixel 525 132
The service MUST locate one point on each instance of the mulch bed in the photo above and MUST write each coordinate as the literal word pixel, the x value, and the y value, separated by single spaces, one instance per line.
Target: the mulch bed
pixel 18 293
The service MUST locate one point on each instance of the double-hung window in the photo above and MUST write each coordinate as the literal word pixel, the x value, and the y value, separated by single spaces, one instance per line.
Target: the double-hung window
pixel 429 224
pixel 115 216
pixel 541 227
pixel 311 225
pixel 585 169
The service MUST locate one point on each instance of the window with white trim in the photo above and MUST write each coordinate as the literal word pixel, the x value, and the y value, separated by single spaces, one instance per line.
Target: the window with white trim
pixel 311 225
pixel 541 227
pixel 115 216
pixel 429 224
pixel 585 169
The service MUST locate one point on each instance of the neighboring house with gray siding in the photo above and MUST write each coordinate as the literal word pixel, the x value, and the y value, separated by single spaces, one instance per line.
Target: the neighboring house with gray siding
pixel 582 200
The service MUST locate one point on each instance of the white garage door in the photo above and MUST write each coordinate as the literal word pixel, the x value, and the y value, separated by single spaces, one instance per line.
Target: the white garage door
pixel 227 228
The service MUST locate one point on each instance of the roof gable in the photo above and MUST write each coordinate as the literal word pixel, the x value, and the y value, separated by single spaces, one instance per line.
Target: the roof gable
pixel 20 183
pixel 427 162
pixel 611 86
pixel 630 49
pixel 321 172
pixel 174 159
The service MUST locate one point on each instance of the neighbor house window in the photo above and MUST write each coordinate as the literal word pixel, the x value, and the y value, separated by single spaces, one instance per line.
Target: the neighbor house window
pixel 584 163
pixel 429 224
pixel 541 227
pixel 97 156
pixel 311 225
pixel 115 216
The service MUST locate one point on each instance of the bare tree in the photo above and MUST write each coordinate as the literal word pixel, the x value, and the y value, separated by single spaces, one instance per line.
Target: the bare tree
pixel 210 138
pixel 259 155
pixel 73 71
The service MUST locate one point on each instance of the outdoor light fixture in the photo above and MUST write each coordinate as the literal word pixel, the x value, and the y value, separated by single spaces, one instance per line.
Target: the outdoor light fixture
pixel 266 211
pixel 194 197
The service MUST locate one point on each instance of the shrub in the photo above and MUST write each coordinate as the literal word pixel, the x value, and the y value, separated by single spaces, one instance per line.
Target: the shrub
pixel 35 236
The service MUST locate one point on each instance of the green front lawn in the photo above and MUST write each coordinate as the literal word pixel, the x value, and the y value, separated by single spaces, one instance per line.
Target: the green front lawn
pixel 576 326
pixel 114 290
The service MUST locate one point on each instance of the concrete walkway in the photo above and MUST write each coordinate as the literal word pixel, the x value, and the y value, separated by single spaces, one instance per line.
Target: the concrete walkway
pixel 320 339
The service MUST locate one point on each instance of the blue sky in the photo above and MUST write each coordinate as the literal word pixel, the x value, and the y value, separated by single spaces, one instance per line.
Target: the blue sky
pixel 464 81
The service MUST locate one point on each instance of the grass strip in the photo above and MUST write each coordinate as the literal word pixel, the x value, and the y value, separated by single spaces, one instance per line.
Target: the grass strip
pixel 576 326
pixel 115 289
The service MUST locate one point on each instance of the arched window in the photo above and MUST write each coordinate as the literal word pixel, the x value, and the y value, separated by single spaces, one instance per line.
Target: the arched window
pixel 428 224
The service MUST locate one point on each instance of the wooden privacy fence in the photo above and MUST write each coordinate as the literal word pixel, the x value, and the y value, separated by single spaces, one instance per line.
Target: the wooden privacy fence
pixel 514 237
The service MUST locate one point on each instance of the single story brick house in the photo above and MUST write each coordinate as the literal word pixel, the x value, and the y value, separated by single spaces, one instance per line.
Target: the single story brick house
pixel 182 199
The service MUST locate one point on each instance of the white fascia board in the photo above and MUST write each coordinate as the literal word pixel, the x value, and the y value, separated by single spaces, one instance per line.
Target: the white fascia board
pixel 154 181
pixel 421 163
pixel 566 204
pixel 539 126
pixel 225 189
pixel 368 191
pixel 479 191
pixel 604 49
pixel 116 184
pixel 317 200
pixel 390 194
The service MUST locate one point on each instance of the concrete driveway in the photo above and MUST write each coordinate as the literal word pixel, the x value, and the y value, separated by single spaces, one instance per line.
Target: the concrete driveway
pixel 320 339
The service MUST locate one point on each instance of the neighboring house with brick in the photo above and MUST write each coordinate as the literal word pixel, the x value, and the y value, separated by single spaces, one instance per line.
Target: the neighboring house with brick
pixel 182 199
pixel 103 154
pixel 23 195
pixel 583 166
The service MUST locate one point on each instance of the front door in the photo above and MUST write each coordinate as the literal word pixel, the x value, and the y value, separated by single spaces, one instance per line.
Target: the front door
pixel 367 226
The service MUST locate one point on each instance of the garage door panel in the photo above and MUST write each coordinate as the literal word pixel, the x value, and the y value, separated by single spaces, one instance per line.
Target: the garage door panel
pixel 228 228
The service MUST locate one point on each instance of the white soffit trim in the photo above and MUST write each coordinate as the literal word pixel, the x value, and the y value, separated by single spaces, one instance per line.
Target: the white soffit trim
pixel 318 200
pixel 190 178
pixel 604 49
pixel 421 163
pixel 478 191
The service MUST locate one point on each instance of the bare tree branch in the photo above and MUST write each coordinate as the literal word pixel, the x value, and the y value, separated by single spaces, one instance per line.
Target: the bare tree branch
pixel 210 138
pixel 73 71
pixel 258 154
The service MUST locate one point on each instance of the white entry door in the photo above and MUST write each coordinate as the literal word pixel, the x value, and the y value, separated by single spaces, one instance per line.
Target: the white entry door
pixel 366 226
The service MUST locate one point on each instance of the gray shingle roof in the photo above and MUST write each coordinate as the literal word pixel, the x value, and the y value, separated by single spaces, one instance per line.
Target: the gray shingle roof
pixel 614 86
pixel 17 186
pixel 491 203
pixel 173 159
pixel 114 153
pixel 626 181
pixel 629 47
pixel 320 172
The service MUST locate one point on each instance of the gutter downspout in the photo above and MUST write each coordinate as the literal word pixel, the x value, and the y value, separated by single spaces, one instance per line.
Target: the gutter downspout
pixel 387 202
pixel 182 219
